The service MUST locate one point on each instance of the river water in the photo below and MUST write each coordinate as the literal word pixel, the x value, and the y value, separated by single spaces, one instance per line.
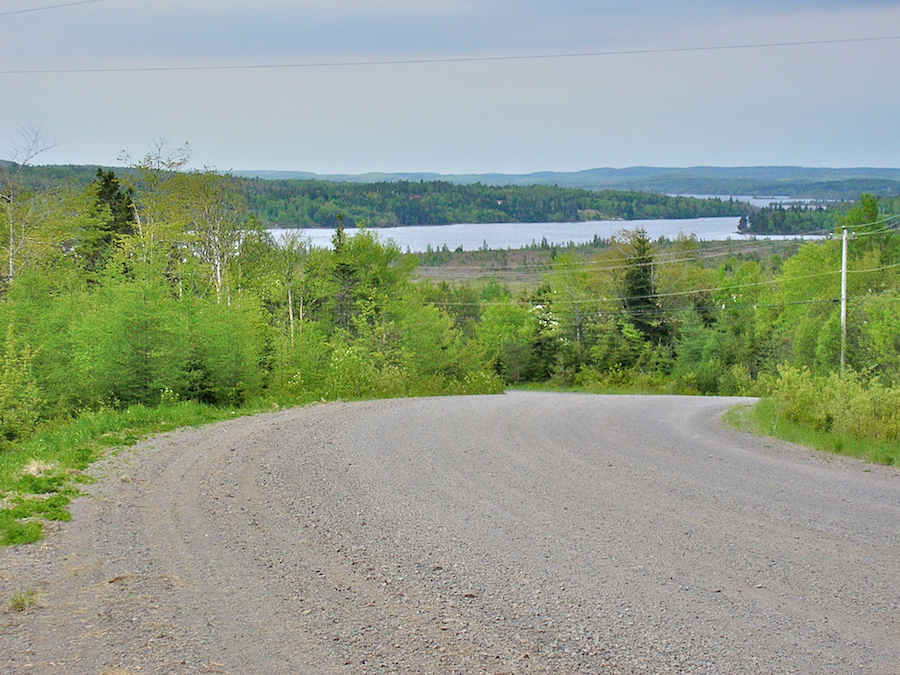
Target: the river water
pixel 474 236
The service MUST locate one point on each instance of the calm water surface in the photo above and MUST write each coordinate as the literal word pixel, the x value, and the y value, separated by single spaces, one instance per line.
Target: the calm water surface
pixel 519 235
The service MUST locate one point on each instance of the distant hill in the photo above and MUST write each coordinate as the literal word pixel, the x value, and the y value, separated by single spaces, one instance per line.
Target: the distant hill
pixel 761 181
pixel 303 199
pixel 825 184
pixel 787 181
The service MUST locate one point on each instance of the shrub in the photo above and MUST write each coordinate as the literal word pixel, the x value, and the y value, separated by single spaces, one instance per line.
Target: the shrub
pixel 20 401
pixel 849 405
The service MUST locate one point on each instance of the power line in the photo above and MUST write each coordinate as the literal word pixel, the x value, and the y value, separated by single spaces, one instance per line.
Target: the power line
pixel 41 9
pixel 557 302
pixel 875 269
pixel 732 247
pixel 670 294
pixel 735 247
pixel 463 59
pixel 615 304
pixel 890 224
pixel 727 288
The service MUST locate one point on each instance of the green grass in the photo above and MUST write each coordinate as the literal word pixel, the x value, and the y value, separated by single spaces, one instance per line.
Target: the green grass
pixel 39 475
pixel 23 601
pixel 763 419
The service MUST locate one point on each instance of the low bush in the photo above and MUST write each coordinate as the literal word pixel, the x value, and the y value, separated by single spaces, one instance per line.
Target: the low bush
pixel 850 406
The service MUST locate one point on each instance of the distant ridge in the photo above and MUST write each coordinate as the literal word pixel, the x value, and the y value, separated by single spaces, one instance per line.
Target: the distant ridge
pixel 792 181
pixel 760 181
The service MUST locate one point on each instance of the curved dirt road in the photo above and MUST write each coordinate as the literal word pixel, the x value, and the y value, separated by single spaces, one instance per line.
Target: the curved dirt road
pixel 524 533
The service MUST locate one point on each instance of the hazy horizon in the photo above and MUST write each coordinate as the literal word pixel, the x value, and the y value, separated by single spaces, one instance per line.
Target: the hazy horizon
pixel 455 86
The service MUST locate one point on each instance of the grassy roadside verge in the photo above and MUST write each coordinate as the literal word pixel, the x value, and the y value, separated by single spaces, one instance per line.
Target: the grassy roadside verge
pixel 764 419
pixel 40 475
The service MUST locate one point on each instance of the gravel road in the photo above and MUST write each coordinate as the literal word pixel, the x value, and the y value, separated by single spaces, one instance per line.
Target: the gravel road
pixel 522 533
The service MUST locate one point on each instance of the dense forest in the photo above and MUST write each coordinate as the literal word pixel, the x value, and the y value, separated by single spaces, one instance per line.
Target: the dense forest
pixel 118 292
pixel 318 203
pixel 325 204
pixel 805 218
pixel 161 286
pixel 397 203
pixel 792 219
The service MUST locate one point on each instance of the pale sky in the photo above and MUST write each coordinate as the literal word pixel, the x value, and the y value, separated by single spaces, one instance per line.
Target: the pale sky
pixel 835 104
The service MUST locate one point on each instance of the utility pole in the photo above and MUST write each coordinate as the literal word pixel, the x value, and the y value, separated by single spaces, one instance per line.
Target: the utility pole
pixel 844 300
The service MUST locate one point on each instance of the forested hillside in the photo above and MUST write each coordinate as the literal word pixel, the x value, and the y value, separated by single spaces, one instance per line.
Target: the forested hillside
pixel 325 204
pixel 164 281
pixel 396 203
pixel 805 219
pixel 317 203
pixel 789 181
pixel 161 286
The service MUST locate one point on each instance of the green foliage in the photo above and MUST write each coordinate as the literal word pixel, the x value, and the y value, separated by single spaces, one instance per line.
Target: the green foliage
pixel 506 337
pixel 114 216
pixel 47 506
pixel 133 342
pixel 765 418
pixel 848 406
pixel 23 600
pixel 355 372
pixel 20 401
pixel 225 343
pixel 314 203
pixel 14 532
pixel 809 291
pixel 619 348
pixel 36 473
pixel 638 288
pixel 876 319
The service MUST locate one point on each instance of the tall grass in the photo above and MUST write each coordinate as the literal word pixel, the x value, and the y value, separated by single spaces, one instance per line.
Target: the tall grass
pixel 768 418
pixel 39 474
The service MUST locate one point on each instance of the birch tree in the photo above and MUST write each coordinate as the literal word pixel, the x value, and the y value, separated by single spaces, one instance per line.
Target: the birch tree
pixel 215 222
pixel 24 211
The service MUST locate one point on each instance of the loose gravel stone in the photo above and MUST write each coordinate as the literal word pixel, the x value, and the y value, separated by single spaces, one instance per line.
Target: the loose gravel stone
pixel 524 533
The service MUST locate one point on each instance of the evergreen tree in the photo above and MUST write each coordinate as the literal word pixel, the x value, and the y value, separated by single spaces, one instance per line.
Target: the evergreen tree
pixel 638 293
pixel 114 212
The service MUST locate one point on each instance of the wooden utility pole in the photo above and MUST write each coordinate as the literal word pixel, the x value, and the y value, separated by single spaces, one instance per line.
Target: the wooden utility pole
pixel 844 300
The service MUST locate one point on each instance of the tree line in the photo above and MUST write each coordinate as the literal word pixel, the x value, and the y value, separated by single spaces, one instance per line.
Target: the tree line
pixel 163 284
pixel 306 203
pixel 320 203
pixel 164 287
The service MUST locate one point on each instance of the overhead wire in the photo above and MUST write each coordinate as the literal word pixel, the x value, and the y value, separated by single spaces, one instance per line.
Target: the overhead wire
pixel 433 61
pixel 874 269
pixel 599 266
pixel 892 223
pixel 718 251
pixel 729 288
pixel 893 226
pixel 48 7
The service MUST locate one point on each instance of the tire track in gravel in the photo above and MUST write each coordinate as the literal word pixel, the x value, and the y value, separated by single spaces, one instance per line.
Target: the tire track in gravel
pixel 525 533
